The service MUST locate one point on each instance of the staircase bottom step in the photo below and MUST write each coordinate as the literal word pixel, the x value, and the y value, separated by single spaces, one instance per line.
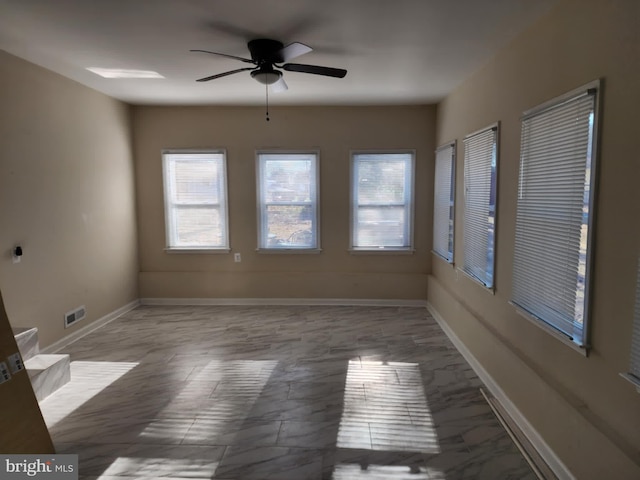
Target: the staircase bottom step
pixel 27 340
pixel 48 373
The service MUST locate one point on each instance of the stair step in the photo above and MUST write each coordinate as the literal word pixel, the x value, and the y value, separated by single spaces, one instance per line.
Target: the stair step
pixel 48 373
pixel 27 340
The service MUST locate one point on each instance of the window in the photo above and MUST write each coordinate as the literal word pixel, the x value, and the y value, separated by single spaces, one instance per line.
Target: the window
pixel 288 200
pixel 382 200
pixel 195 194
pixel 443 201
pixel 634 370
pixel 555 213
pixel 480 182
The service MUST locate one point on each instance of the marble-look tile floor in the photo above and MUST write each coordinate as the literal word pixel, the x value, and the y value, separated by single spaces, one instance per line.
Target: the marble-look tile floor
pixel 277 393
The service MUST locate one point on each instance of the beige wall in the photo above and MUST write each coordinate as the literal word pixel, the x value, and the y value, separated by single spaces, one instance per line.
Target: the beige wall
pixel 583 409
pixel 334 273
pixel 66 196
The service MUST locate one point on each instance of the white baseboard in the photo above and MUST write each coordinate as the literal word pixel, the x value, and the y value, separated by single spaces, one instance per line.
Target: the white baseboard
pixel 364 302
pixel 547 454
pixel 86 330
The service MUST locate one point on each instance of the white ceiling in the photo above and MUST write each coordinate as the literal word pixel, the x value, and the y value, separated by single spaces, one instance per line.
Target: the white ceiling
pixel 396 51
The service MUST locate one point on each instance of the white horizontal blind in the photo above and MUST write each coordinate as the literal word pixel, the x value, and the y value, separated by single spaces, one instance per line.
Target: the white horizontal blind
pixel 550 268
pixel 635 337
pixel 443 202
pixel 382 200
pixel 195 200
pixel 288 200
pixel 480 175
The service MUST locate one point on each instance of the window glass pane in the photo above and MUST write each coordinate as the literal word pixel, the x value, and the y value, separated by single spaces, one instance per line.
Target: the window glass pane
pixel 198 227
pixel 551 249
pixel 287 191
pixel 290 226
pixel 443 209
pixel 195 199
pixel 480 184
pixel 381 226
pixel 381 182
pixel 288 181
pixel 196 182
pixel 383 200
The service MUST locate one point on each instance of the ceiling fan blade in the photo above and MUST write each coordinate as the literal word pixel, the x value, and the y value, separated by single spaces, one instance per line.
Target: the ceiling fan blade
pixel 230 29
pixel 292 51
pixel 315 70
pixel 220 75
pixel 246 60
pixel 279 86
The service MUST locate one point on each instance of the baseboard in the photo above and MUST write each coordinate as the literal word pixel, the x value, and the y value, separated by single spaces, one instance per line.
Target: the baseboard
pixel 86 330
pixel 350 302
pixel 538 443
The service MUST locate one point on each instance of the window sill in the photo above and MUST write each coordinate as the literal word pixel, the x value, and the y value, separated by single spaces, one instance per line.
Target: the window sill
pixel 288 251
pixel 491 290
pixel 381 251
pixel 632 379
pixel 582 350
pixel 444 259
pixel 197 251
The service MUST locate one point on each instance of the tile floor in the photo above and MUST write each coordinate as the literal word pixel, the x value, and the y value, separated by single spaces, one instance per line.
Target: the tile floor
pixel 277 393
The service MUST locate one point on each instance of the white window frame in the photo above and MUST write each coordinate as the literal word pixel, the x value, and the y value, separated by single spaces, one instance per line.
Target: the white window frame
pixel 481 220
pixel 407 203
pixel 444 191
pixel 170 205
pixel 262 204
pixel 539 304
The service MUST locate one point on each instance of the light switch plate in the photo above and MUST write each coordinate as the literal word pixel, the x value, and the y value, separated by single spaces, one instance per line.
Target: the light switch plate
pixel 4 373
pixel 15 363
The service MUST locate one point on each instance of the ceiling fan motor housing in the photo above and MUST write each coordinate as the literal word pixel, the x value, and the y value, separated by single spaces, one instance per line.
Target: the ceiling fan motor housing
pixel 266 51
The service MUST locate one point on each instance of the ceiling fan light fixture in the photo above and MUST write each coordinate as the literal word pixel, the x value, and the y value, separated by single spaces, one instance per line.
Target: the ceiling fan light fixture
pixel 266 77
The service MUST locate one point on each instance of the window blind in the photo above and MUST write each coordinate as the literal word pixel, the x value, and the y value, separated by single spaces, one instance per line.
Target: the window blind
pixel 480 175
pixel 551 256
pixel 288 197
pixel 382 193
pixel 195 200
pixel 443 202
pixel 635 336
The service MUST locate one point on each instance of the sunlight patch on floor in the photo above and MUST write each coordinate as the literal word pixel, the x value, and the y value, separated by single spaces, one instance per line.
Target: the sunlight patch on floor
pixel 228 391
pixel 88 379
pixel 161 467
pixel 385 408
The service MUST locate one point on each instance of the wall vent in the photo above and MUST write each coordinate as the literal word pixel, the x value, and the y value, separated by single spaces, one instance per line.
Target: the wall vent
pixel 74 316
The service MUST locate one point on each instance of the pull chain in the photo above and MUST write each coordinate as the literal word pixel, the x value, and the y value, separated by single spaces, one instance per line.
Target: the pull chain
pixel 266 88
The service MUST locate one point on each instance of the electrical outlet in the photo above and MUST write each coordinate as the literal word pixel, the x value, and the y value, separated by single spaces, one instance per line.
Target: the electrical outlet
pixel 237 258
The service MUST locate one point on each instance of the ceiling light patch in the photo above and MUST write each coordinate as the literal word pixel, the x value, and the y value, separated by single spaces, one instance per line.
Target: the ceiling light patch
pixel 124 73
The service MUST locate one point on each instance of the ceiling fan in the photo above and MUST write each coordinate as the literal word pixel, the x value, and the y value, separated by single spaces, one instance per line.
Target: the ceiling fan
pixel 269 58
